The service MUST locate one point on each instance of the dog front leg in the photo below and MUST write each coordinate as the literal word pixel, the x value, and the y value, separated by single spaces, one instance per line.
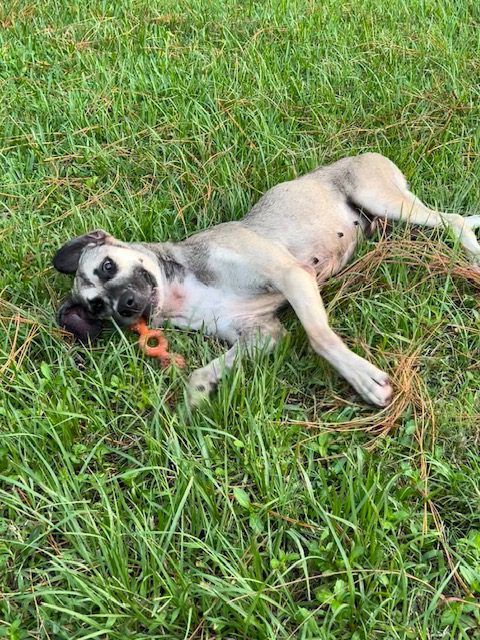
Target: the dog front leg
pixel 203 381
pixel 255 261
pixel 301 291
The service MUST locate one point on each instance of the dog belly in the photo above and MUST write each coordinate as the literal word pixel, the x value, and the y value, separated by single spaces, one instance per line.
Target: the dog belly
pixel 327 255
pixel 332 263
pixel 217 311
pixel 312 221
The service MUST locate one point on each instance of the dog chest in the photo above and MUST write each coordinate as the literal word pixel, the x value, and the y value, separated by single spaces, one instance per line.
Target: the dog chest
pixel 194 305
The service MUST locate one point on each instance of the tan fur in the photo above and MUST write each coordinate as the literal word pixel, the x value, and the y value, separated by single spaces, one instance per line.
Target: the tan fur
pixel 231 279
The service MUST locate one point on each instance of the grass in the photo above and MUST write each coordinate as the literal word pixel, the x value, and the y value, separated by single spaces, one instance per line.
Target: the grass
pixel 287 508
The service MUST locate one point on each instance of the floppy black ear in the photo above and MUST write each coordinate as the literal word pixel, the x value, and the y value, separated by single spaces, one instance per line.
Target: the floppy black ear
pixel 75 318
pixel 67 257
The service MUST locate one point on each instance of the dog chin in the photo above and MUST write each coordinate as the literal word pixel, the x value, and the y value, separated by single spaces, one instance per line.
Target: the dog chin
pixel 152 305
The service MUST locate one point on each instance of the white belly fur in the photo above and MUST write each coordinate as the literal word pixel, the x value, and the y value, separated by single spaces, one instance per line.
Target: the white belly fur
pixel 220 312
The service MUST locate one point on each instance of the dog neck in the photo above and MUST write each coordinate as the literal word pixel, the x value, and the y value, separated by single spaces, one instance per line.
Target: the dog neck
pixel 171 275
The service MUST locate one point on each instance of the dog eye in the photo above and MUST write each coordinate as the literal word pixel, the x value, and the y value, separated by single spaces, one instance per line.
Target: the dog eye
pixel 106 270
pixel 107 266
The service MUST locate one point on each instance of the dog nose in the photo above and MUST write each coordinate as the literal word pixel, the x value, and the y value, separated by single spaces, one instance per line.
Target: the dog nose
pixel 127 304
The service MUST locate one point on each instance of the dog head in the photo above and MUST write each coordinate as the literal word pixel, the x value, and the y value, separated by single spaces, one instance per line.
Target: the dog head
pixel 113 279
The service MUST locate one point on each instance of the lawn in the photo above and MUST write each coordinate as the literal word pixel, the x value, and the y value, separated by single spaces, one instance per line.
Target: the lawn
pixel 286 508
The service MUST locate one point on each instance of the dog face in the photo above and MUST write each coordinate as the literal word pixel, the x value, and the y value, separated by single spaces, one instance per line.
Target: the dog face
pixel 112 280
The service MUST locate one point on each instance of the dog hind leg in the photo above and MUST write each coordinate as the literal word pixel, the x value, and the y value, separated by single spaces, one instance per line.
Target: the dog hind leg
pixel 391 199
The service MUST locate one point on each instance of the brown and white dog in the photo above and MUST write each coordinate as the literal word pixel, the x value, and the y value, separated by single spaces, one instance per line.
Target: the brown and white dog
pixel 231 279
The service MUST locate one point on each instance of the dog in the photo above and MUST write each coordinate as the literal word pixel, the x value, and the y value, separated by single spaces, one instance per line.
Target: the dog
pixel 231 279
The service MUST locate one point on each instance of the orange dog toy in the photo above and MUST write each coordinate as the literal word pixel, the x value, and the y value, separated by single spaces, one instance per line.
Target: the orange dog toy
pixel 160 349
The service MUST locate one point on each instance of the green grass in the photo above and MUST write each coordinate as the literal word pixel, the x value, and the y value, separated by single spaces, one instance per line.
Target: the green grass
pixel 274 512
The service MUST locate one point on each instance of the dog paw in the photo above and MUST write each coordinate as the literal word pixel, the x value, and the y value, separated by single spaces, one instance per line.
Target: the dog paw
pixel 372 384
pixel 200 386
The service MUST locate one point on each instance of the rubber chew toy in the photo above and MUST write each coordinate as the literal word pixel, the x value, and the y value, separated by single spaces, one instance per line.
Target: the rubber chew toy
pixel 160 349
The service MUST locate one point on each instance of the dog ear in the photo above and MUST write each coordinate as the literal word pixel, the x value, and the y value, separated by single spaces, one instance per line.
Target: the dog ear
pixel 67 257
pixel 75 318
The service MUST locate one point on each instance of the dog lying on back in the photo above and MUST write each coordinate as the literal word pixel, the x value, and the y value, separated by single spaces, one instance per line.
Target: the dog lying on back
pixel 231 279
